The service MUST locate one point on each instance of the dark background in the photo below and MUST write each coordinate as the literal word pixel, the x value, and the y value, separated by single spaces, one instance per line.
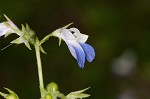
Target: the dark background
pixel 119 31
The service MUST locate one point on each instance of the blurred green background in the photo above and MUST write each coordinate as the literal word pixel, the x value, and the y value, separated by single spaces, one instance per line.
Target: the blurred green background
pixel 119 31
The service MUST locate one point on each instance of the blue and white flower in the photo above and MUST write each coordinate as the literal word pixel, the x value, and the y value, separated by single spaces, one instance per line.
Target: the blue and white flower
pixel 76 44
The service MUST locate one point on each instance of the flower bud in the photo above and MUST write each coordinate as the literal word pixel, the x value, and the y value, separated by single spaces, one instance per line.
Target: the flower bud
pixel 48 96
pixel 11 96
pixel 52 87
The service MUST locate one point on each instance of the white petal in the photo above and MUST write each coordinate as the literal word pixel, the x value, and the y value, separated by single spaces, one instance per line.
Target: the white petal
pixel 75 30
pixel 67 35
pixel 4 29
pixel 2 26
pixel 81 38
pixel 72 50
pixel 3 32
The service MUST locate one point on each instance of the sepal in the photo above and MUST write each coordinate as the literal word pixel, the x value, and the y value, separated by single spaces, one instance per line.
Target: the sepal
pixel 28 45
pixel 11 95
pixel 29 33
pixel 77 94
pixel 6 17
pixel 56 33
pixel 21 40
pixel 66 26
pixel 42 50
pixel 27 37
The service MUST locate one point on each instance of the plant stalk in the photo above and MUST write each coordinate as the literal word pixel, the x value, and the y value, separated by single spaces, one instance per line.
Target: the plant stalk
pixel 39 65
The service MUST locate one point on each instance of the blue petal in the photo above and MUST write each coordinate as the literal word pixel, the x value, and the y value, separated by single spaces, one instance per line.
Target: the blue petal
pixel 89 51
pixel 80 56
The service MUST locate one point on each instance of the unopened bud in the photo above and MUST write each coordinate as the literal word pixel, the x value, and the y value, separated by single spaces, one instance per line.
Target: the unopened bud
pixel 48 96
pixel 52 87
pixel 11 96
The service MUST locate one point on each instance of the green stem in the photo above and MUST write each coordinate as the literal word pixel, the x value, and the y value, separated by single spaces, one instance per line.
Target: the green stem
pixel 39 65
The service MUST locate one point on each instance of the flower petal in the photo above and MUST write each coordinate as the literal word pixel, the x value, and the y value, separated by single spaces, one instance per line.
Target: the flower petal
pixel 3 32
pixel 82 38
pixel 72 51
pixel 77 52
pixel 74 47
pixel 67 35
pixel 3 29
pixel 80 56
pixel 89 51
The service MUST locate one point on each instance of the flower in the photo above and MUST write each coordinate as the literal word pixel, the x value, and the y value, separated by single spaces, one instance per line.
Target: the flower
pixel 7 27
pixel 76 44
pixel 26 35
